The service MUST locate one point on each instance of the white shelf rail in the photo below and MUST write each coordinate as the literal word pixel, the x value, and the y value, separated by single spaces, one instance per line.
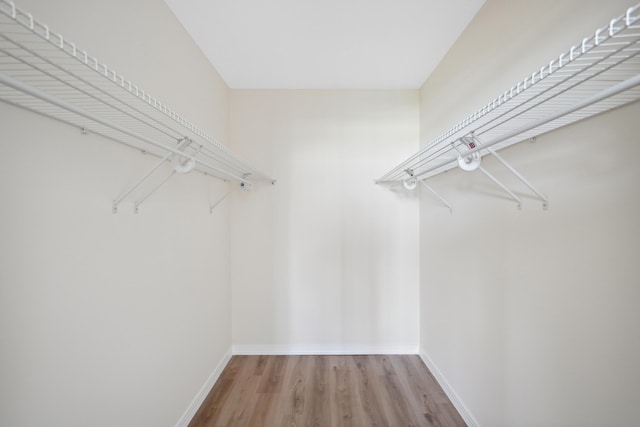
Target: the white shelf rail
pixel 43 72
pixel 599 73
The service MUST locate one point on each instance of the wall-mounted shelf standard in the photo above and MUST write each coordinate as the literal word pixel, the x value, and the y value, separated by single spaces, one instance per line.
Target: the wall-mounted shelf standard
pixel 599 73
pixel 43 72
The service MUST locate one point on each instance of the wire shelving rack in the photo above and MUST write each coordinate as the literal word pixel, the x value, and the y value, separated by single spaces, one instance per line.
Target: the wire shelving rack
pixel 600 73
pixel 43 72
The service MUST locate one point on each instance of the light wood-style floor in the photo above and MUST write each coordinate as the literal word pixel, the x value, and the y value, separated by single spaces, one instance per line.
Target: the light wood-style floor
pixel 319 391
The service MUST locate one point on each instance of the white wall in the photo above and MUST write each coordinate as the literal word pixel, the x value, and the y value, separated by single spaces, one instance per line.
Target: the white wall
pixel 110 320
pixel 324 261
pixel 531 316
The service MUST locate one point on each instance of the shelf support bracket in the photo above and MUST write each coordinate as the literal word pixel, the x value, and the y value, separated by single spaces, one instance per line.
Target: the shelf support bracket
pixel 215 204
pixel 541 196
pixel 501 185
pixel 137 203
pixel 473 144
pixel 437 195
pixel 114 206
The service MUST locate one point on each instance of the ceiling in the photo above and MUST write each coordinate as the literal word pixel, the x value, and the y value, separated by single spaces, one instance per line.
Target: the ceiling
pixel 324 44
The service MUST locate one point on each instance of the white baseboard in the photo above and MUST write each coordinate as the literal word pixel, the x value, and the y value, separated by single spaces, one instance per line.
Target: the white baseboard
pixel 451 394
pixel 323 349
pixel 204 391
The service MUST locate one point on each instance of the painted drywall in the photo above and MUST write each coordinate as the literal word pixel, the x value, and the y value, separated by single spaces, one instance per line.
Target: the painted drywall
pixel 531 316
pixel 324 261
pixel 111 320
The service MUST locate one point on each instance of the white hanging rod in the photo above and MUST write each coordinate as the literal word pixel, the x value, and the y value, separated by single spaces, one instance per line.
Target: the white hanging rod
pixel 593 76
pixel 45 61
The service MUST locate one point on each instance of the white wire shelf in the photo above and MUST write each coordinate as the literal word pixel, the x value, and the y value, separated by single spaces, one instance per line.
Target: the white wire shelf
pixel 43 72
pixel 599 73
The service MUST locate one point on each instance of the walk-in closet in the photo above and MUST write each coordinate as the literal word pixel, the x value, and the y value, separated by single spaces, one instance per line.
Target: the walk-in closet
pixel 339 213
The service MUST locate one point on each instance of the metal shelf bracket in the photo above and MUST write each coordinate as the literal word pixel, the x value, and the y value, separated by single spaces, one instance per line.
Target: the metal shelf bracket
pixel 182 144
pixel 176 167
pixel 501 185
pixel 437 195
pixel 137 203
pixel 215 204
pixel 521 178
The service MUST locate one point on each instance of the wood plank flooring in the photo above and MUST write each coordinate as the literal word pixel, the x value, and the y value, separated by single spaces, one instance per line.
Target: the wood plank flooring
pixel 322 391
